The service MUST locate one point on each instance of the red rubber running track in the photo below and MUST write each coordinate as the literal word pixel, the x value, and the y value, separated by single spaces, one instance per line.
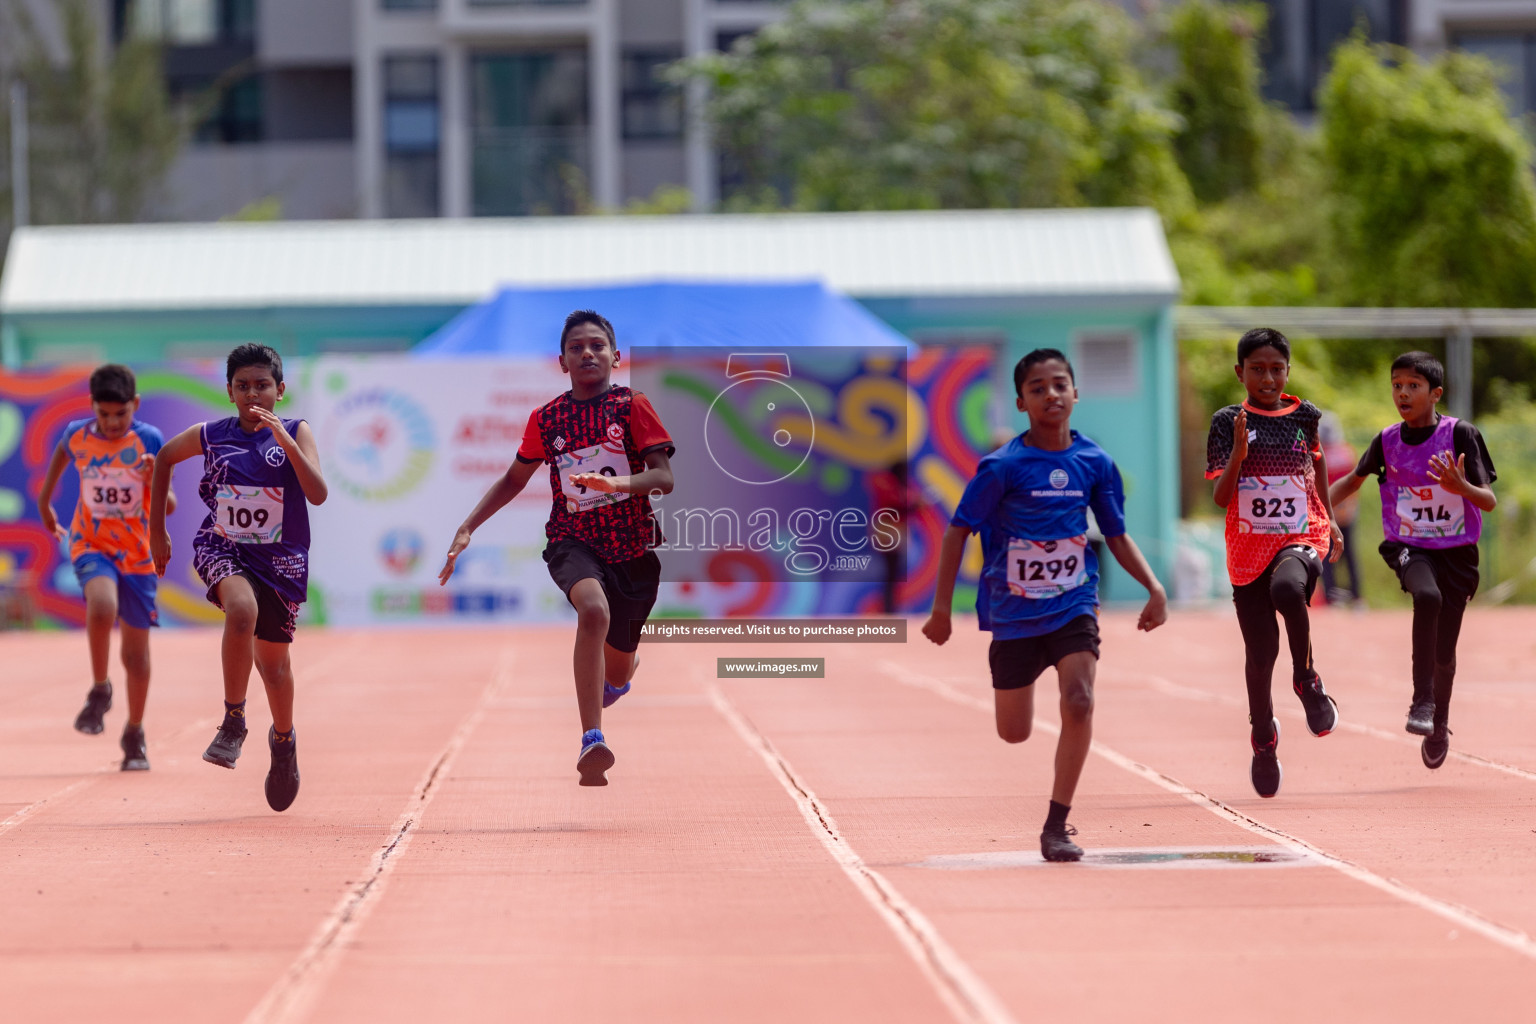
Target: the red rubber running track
pixel 859 847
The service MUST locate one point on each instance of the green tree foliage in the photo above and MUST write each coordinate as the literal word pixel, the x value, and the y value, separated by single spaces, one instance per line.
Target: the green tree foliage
pixel 1433 198
pixel 103 130
pixel 1215 91
pixel 918 104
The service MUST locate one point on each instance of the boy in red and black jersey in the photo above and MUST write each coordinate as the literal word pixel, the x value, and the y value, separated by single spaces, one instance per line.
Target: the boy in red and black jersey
pixel 607 452
pixel 1266 461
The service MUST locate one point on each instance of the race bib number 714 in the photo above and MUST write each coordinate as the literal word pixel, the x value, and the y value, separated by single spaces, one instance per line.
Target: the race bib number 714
pixel 1430 511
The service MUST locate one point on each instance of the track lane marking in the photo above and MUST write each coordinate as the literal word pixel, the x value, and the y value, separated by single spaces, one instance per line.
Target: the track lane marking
pixel 17 818
pixel 1462 916
pixel 293 995
pixel 966 996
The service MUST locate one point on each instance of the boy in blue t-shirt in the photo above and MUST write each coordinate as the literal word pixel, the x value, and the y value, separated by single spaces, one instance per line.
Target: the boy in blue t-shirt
pixel 1039 592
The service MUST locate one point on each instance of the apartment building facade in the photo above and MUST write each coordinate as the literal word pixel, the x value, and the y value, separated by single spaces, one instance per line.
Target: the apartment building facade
pixel 457 108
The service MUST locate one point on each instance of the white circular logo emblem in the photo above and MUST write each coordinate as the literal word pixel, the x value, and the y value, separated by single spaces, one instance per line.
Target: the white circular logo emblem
pixel 1058 478
pixel 275 455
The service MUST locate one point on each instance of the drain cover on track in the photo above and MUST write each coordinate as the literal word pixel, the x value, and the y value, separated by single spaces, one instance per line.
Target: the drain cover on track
pixel 1162 857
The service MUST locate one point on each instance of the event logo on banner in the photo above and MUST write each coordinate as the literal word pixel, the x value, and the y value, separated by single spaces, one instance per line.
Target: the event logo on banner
pixel 411 446
pixel 378 444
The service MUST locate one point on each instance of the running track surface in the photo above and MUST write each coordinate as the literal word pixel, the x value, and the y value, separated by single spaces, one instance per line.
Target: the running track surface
pixel 768 850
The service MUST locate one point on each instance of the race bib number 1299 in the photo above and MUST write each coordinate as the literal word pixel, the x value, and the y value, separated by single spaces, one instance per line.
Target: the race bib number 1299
pixel 1039 569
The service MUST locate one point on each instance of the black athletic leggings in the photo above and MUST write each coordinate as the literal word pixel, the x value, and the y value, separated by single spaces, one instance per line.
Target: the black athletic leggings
pixel 1436 628
pixel 1285 587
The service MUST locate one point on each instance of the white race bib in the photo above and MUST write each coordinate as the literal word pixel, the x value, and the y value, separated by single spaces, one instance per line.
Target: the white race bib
pixel 1040 569
pixel 1430 511
pixel 1271 504
pixel 249 515
pixel 116 492
pixel 597 459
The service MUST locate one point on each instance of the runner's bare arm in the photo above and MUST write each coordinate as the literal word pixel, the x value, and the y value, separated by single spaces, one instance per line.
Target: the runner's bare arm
pixel 655 478
pixel 183 446
pixel 302 455
pixel 1155 612
pixel 1453 477
pixel 951 550
pixel 45 493
pixel 1335 531
pixel 502 491
pixel 1344 488
pixel 1226 484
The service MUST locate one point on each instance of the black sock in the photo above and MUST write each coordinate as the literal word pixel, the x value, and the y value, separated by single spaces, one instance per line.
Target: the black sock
pixel 282 737
pixel 1057 816
pixel 234 714
pixel 105 686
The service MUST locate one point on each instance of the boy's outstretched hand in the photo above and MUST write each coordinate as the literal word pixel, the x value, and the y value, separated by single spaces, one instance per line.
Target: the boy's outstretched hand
pixel 1240 437
pixel 938 627
pixel 597 482
pixel 460 542
pixel 1452 475
pixel 159 550
pixel 51 521
pixel 1154 613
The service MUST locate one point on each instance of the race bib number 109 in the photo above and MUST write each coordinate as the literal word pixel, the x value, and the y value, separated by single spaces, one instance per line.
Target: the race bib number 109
pixel 249 515
pixel 1039 569
pixel 1271 504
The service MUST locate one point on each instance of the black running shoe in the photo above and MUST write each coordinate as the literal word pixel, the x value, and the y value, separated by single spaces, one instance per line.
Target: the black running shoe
pixel 97 703
pixel 224 751
pixel 135 758
pixel 1265 771
pixel 1056 846
pixel 1322 712
pixel 1421 717
pixel 283 776
pixel 1435 747
pixel 595 759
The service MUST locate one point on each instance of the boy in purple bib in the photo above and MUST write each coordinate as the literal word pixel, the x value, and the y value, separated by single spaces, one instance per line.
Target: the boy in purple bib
pixel 260 474
pixel 1435 476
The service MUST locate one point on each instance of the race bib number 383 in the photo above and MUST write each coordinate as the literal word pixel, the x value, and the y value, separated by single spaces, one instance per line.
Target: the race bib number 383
pixel 1430 511
pixel 1271 504
pixel 113 493
pixel 1039 569
pixel 597 459
pixel 249 515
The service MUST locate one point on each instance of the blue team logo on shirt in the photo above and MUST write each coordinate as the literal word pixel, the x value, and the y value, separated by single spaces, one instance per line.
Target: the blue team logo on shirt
pixel 1059 478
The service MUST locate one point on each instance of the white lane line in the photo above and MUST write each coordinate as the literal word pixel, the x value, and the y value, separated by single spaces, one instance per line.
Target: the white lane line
pixel 293 995
pixel 1462 916
pixel 320 669
pixel 966 995
pixel 1172 689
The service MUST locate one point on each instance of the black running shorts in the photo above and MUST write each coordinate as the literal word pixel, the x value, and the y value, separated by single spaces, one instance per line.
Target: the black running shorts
pixel 629 586
pixel 276 619
pixel 1018 663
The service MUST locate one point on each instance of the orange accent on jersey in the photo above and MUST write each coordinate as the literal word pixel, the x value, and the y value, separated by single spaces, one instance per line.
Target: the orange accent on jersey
pixel 106 466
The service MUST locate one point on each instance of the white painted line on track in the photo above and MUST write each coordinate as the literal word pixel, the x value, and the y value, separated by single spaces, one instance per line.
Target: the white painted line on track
pixel 1171 689
pixel 293 995
pixel 968 998
pixel 1465 917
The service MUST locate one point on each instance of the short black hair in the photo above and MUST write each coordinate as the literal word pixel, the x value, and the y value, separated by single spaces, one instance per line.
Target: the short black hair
pixel 113 382
pixel 1423 364
pixel 1261 337
pixel 1039 355
pixel 587 316
pixel 252 354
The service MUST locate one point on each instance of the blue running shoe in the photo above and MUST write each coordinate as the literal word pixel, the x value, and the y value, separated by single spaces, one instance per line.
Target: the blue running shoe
pixel 595 759
pixel 612 693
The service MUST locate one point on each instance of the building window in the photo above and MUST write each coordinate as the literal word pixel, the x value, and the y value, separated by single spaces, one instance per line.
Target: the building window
pixel 412 130
pixel 231 113
pixel 653 108
pixel 530 146
pixel 408 5
pixel 1105 364
pixel 1514 55
pixel 187 22
pixel 1302 35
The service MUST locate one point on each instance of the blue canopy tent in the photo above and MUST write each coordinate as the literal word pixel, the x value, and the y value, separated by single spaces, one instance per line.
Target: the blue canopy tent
pixel 526 321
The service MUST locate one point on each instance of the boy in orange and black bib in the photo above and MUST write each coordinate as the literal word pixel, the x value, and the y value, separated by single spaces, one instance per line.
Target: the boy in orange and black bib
pixel 1266 460
pixel 606 451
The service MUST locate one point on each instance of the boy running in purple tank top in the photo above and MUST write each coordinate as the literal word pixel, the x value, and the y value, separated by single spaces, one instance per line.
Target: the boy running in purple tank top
pixel 260 474
pixel 1435 474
